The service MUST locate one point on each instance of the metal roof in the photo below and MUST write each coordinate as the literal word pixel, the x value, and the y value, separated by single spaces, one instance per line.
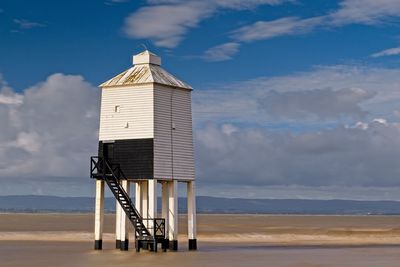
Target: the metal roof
pixel 145 73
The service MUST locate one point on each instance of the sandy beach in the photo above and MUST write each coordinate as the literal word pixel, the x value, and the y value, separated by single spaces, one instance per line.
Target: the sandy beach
pixel 224 240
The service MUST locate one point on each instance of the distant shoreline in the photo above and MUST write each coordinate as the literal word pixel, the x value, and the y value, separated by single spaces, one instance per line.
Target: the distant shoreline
pixel 44 212
pixel 208 205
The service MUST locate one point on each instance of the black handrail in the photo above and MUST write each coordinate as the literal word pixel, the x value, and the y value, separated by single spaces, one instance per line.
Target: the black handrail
pixel 126 196
pixel 157 227
pixel 101 168
pixel 112 173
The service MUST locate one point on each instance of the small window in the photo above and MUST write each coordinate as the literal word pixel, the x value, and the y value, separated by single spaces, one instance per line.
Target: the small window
pixel 117 109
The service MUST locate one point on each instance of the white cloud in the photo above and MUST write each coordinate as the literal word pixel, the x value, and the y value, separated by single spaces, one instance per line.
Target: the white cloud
pixel 231 4
pixel 334 157
pixel 27 24
pixel 349 12
pixel 364 12
pixel 45 131
pixel 298 144
pixel 114 2
pixel 368 12
pixel 221 52
pixel 7 96
pixel 320 103
pixel 262 30
pixel 54 126
pixel 10 100
pixel 166 22
pixel 388 52
pixel 336 93
pixel 246 4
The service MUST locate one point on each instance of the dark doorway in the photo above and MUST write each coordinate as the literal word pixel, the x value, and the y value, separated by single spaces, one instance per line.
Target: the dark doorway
pixel 108 151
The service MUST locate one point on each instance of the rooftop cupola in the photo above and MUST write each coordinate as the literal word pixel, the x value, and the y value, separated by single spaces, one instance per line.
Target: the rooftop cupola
pixel 146 57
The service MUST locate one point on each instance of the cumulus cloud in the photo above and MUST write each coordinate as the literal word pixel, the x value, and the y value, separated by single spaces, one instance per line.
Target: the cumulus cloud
pixel 322 103
pixel 50 129
pixel 342 156
pixel 166 22
pixel 274 137
pixel 10 100
pixel 335 92
pixel 387 52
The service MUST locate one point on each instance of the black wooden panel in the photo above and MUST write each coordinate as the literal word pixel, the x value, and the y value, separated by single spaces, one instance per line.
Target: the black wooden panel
pixel 135 157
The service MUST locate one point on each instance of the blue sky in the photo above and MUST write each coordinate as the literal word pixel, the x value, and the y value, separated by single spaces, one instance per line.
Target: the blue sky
pixel 88 38
pixel 293 98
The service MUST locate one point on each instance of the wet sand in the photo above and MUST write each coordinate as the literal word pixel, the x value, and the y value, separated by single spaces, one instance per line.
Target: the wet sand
pixel 224 240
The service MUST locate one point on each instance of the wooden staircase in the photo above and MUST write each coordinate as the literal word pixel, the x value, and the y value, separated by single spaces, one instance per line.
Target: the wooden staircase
pixel 112 174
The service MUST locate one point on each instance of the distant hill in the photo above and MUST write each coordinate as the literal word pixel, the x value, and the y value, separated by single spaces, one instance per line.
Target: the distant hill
pixel 208 205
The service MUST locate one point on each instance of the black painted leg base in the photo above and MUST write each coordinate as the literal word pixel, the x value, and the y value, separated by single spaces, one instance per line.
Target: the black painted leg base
pixel 98 244
pixel 138 245
pixel 118 244
pixel 165 244
pixel 192 244
pixel 173 245
pixel 124 244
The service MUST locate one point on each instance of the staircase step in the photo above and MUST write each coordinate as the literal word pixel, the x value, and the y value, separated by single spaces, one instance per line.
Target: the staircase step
pixel 128 207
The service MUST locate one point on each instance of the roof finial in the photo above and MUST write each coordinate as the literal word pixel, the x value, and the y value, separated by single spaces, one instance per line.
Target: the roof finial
pixel 143 45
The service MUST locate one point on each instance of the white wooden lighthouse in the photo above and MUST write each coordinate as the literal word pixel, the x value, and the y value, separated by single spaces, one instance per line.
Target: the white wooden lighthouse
pixel 145 138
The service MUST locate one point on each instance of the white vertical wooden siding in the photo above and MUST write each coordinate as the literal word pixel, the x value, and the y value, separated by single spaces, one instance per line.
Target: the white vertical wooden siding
pixel 173 107
pixel 162 133
pixel 136 109
pixel 183 162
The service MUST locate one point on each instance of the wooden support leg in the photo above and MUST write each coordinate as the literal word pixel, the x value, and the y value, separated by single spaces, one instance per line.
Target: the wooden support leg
pixel 173 215
pixel 124 233
pixel 165 211
pixel 117 225
pixel 191 206
pixel 138 197
pixel 145 202
pixel 99 215
pixel 152 187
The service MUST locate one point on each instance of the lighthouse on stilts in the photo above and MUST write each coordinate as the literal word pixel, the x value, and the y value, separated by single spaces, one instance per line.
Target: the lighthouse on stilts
pixel 145 138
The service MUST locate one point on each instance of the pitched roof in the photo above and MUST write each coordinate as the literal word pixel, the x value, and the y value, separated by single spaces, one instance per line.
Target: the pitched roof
pixel 147 69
